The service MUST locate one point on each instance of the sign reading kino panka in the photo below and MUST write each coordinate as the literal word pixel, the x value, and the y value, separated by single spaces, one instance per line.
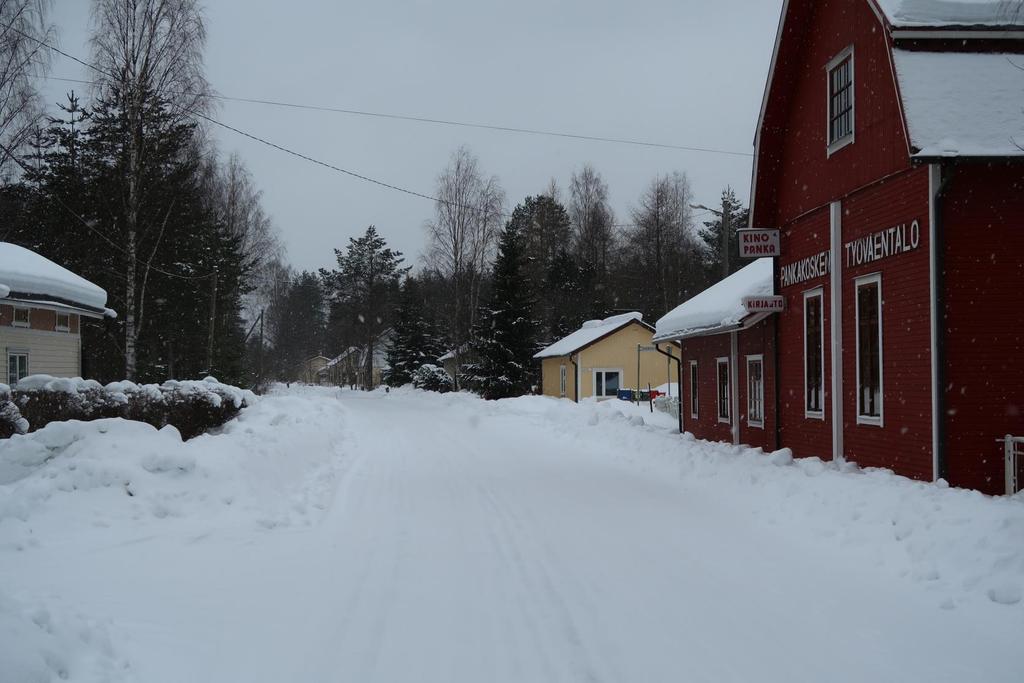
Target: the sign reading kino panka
pixel 758 243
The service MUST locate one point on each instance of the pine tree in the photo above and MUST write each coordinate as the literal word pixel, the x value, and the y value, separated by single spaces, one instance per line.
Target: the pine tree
pixel 362 289
pixel 717 263
pixel 505 338
pixel 415 341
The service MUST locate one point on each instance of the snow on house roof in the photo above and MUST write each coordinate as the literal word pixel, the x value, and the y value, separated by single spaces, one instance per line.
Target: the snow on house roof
pixel 24 272
pixel 719 307
pixel 591 331
pixel 948 13
pixel 962 103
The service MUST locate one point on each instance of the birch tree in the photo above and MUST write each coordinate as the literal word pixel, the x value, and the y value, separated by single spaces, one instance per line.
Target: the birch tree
pixel 150 56
pixel 23 28
pixel 462 236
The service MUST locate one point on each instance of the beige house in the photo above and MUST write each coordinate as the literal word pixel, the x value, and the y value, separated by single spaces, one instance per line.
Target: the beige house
pixel 309 370
pixel 602 357
pixel 42 306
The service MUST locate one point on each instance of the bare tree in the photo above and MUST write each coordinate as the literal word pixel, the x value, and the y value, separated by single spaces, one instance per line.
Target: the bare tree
pixel 23 28
pixel 147 51
pixel 462 236
pixel 663 238
pixel 592 217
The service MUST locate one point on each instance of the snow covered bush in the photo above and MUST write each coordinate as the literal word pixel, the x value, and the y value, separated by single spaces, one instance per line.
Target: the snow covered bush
pixel 11 421
pixel 432 378
pixel 192 407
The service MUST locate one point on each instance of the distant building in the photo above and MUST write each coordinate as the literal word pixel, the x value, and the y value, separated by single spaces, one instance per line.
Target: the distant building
pixel 603 357
pixel 308 371
pixel 42 306
pixel 349 367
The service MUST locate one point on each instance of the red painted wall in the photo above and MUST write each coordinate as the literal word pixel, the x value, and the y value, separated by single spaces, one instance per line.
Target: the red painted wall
pixel 759 339
pixel 983 316
pixel 904 442
pixel 806 436
pixel 795 173
pixel 705 350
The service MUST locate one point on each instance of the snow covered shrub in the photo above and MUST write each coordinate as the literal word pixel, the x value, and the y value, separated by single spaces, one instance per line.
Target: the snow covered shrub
pixel 432 378
pixel 11 421
pixel 192 407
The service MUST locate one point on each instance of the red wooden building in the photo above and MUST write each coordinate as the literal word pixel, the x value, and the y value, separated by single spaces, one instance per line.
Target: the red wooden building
pixel 889 155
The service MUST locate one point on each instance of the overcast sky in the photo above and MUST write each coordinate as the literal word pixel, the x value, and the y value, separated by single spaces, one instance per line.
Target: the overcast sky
pixel 682 72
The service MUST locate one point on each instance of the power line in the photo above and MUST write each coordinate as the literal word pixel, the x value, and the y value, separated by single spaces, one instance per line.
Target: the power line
pixel 462 124
pixel 291 152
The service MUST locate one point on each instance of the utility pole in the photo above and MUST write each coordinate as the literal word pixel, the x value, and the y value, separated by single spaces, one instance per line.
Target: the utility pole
pixel 213 320
pixel 259 354
pixel 726 229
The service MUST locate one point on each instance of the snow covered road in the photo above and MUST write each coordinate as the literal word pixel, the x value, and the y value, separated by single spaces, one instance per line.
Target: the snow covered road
pixel 446 539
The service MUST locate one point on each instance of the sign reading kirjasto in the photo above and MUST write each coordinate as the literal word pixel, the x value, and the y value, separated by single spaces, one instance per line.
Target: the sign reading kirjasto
pixel 898 239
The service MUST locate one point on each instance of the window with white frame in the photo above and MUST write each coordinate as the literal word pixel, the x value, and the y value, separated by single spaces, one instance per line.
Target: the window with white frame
pixel 607 383
pixel 814 354
pixel 17 366
pixel 869 349
pixel 63 322
pixel 694 389
pixel 562 374
pixel 724 411
pixel 21 317
pixel 840 100
pixel 755 390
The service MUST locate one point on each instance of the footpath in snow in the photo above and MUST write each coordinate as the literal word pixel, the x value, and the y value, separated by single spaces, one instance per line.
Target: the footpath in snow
pixel 331 535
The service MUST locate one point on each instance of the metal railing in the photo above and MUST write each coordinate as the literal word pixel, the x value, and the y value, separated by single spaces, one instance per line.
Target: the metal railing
pixel 1013 448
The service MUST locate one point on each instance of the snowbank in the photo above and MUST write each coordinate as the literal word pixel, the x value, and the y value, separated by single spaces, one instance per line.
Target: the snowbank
pixel 958 545
pixel 23 271
pixel 116 482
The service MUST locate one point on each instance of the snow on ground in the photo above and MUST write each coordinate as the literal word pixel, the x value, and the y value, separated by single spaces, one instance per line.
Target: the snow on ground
pixel 339 536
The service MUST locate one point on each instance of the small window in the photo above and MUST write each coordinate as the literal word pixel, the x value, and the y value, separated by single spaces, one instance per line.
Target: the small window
pixel 814 356
pixel 755 391
pixel 21 317
pixel 63 322
pixel 17 367
pixel 869 350
pixel 693 389
pixel 724 412
pixel 607 383
pixel 840 100
pixel 561 380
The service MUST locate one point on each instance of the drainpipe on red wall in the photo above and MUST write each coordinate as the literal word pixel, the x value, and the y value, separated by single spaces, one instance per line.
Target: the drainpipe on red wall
pixel 938 183
pixel 679 378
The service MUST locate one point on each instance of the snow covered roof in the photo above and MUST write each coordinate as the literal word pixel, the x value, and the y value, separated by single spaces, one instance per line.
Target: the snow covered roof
pixel 591 331
pixel 719 307
pixel 949 13
pixel 962 103
pixel 25 274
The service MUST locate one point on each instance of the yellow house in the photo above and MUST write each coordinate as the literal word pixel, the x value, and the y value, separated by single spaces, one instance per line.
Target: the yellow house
pixel 602 357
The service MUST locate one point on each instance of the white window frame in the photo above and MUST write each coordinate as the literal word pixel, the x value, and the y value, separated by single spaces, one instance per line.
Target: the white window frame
pixel 834 146
pixel 562 377
pixel 810 294
pixel 28 315
pixel 719 362
pixel 759 359
pixel 28 363
pixel 593 379
pixel 877 421
pixel 63 328
pixel 694 390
